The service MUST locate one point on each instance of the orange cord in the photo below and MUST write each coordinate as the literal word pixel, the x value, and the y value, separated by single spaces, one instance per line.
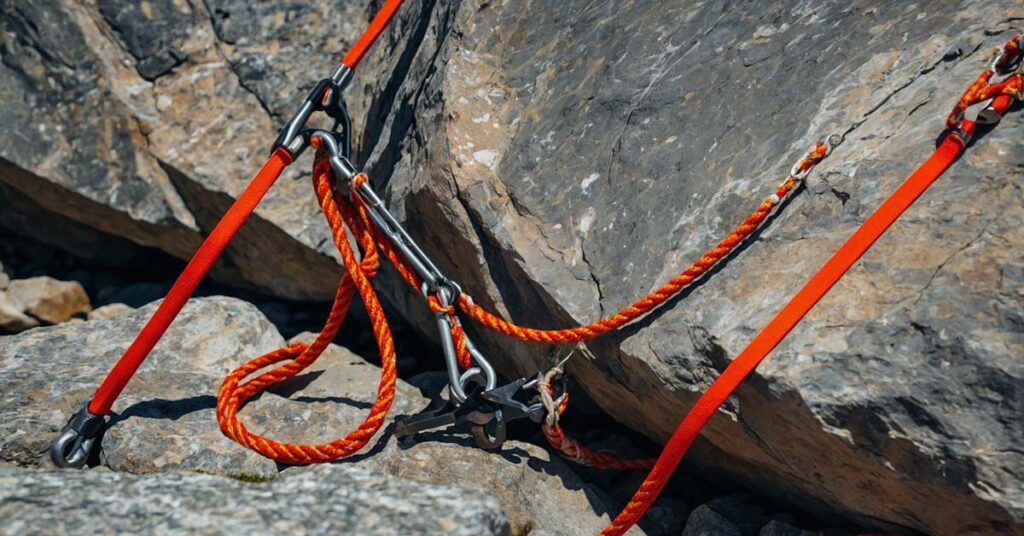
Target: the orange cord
pixel 377 26
pixel 794 311
pixel 233 393
pixel 675 285
pixel 354 214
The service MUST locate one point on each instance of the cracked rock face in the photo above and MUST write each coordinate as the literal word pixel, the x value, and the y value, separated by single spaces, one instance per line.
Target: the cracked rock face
pixel 565 162
pixel 560 159
pixel 137 120
pixel 329 498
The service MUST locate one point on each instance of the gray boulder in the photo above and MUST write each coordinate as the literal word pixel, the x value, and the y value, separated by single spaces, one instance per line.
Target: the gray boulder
pixel 540 493
pixel 167 411
pixel 705 521
pixel 165 421
pixel 562 164
pixel 326 499
pixel 138 125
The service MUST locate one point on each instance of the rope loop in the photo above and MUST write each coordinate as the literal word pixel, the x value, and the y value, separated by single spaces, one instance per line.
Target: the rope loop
pixel 983 89
pixel 235 390
pixel 674 286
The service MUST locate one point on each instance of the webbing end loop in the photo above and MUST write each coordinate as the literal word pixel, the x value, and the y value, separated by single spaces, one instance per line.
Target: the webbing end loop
pixel 959 133
pixel 74 446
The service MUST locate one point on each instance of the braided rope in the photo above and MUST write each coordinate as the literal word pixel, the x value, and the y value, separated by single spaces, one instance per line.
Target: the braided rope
pixel 353 213
pixel 675 285
pixel 981 90
pixel 758 349
pixel 571 448
pixel 234 392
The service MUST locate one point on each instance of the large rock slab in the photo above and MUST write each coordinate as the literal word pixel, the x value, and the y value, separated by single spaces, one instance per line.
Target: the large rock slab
pixel 46 374
pixel 339 499
pixel 562 164
pixel 139 122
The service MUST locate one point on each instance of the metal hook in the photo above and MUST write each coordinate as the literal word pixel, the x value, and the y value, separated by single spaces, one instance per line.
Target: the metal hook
pixel 830 145
pixel 325 96
pixel 75 444
pixel 1003 59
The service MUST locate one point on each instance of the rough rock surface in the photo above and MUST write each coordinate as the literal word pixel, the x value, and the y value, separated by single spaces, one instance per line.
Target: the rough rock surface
pixel 562 163
pixel 46 374
pixel 49 300
pixel 539 492
pixel 326 499
pixel 109 311
pixel 12 318
pixel 561 159
pixel 165 421
pixel 137 124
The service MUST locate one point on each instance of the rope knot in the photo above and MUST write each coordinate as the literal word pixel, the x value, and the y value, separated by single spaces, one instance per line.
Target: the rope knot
pixel 437 308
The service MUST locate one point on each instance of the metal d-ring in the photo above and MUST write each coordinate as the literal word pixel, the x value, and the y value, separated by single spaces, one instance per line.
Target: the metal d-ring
pixel 492 435
pixel 340 164
pixel 830 145
pixel 75 444
pixel 70 450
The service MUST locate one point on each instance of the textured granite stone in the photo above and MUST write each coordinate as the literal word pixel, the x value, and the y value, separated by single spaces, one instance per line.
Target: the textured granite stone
pixel 338 499
pixel 165 421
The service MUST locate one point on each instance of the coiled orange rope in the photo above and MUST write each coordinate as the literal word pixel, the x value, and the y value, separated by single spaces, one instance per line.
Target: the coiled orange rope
pixel 234 392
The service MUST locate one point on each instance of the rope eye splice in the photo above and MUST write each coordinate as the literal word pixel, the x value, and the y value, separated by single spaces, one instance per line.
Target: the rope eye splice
pixel 1007 63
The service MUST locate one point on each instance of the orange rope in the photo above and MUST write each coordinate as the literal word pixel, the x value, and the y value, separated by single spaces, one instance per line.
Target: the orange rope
pixel 675 285
pixel 577 452
pixel 352 212
pixel 816 288
pixel 234 393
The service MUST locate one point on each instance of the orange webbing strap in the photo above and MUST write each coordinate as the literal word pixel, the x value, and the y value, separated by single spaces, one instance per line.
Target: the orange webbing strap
pixel 187 282
pixel 788 317
pixel 380 21
pixel 234 393
pixel 674 286
pixel 114 383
